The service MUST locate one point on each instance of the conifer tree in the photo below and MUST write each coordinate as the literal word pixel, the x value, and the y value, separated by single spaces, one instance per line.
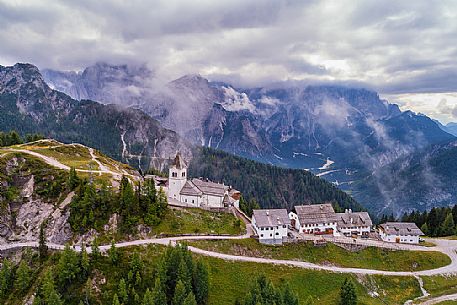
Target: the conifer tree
pixel 68 266
pixel 22 281
pixel 190 299
pixel 42 247
pixel 116 300
pixel 158 294
pixel 448 226
pixel 424 229
pixel 201 282
pixel 148 298
pixel 95 250
pixel 180 293
pixel 113 254
pixel 6 277
pixel 84 261
pixel 347 294
pixel 50 295
pixel 122 291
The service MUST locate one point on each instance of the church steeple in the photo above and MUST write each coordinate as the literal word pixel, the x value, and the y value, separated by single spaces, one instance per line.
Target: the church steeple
pixel 177 177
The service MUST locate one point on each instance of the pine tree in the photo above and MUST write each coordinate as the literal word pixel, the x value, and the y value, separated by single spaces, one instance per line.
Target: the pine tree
pixel 448 226
pixel 148 298
pixel 116 300
pixel 68 266
pixel 113 254
pixel 180 294
pixel 190 299
pixel 84 261
pixel 50 295
pixel 201 282
pixel 185 275
pixel 158 294
pixel 42 247
pixel 347 293
pixel 95 250
pixel 6 277
pixel 424 229
pixel 22 277
pixel 73 179
pixel 122 291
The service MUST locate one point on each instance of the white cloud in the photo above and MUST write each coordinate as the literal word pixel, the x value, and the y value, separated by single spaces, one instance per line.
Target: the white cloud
pixel 394 47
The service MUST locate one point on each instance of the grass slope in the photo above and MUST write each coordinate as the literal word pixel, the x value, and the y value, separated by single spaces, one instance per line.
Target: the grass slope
pixel 369 258
pixel 228 281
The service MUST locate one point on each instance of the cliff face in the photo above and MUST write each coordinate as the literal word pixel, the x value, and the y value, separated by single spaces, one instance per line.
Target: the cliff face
pixel 30 193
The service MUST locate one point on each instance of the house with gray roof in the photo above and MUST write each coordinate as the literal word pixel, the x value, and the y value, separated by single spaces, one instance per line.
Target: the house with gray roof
pixel 400 232
pixel 271 225
pixel 314 219
pixel 354 223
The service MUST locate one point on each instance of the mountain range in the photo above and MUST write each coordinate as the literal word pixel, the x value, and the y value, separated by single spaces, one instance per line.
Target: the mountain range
pixel 29 105
pixel 349 136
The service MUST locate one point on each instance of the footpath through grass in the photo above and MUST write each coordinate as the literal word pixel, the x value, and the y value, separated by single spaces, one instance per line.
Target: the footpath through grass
pixel 330 254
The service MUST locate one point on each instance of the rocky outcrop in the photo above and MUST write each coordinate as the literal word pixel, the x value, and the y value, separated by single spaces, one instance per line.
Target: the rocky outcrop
pixel 24 210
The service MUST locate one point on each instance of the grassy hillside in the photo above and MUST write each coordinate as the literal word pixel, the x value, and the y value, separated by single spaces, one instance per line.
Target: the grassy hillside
pixel 228 280
pixel 272 186
pixel 369 258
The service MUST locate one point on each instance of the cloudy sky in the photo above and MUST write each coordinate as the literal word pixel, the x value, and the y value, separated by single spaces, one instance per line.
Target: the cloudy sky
pixel 406 50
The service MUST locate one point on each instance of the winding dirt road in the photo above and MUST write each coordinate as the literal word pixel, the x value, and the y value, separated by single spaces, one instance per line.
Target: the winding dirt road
pixel 447 247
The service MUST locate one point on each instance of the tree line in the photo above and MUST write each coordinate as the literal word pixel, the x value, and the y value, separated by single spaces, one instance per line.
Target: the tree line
pixel 13 138
pixel 91 208
pixel 439 221
pixel 177 279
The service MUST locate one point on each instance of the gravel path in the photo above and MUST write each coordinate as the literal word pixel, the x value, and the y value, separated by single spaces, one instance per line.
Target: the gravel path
pixel 55 163
pixel 444 246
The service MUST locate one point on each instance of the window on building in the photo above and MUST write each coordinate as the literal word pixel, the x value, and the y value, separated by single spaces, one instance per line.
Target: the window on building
pixel 284 226
pixel 185 200
pixel 193 201
pixel 183 174
pixel 277 233
pixel 261 235
pixel 271 235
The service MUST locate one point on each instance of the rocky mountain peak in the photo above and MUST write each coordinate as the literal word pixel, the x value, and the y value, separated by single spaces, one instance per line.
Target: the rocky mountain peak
pixel 14 78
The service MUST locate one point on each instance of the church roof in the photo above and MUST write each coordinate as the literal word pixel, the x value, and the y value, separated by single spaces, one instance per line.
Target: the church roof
pixel 179 162
pixel 209 188
pixel 190 189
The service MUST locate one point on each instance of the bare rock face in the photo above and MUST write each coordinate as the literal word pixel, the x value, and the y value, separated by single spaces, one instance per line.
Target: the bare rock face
pixel 29 219
pixel 25 210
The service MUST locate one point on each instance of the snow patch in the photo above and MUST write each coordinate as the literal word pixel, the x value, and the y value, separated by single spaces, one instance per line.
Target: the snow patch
pixel 327 164
pixel 294 154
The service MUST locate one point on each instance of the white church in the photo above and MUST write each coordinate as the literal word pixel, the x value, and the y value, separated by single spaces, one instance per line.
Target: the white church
pixel 196 192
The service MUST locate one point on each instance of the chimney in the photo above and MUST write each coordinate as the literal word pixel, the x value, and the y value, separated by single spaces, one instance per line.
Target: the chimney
pixel 268 213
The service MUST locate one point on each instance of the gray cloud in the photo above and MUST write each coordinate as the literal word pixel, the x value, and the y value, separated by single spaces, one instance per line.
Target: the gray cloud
pixel 394 47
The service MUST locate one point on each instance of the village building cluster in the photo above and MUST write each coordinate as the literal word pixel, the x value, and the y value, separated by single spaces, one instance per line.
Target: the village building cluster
pixel 275 226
